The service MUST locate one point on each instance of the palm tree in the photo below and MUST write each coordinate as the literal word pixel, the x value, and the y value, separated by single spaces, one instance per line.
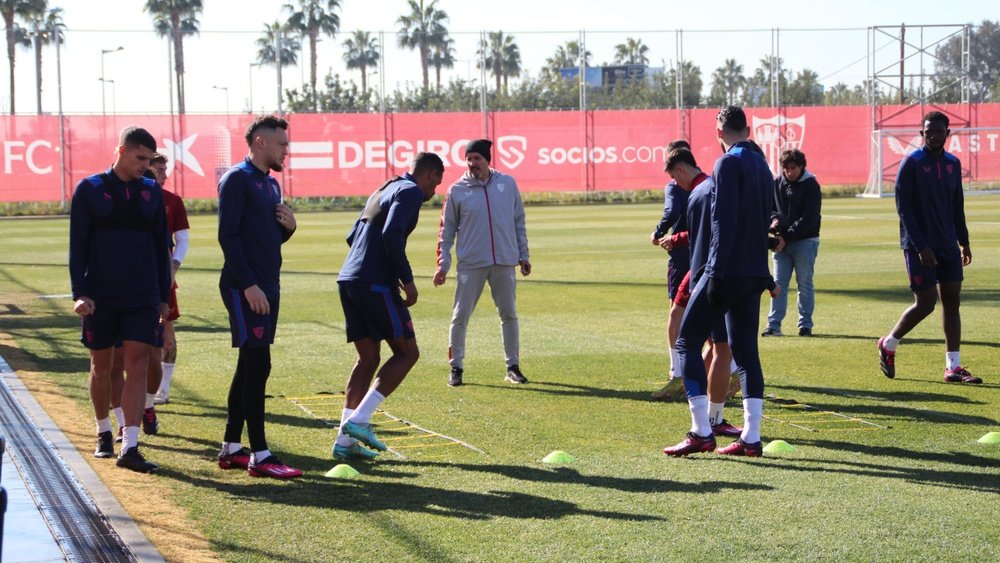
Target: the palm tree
pixel 421 29
pixel 631 52
pixel 442 56
pixel 567 56
pixel 310 19
pixel 727 80
pixel 175 19
pixel 290 46
pixel 45 27
pixel 501 56
pixel 361 52
pixel 16 35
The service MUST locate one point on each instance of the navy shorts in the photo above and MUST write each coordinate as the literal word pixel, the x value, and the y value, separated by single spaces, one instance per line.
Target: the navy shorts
pixel 158 339
pixel 109 325
pixel 675 275
pixel 248 328
pixel 374 311
pixel 948 269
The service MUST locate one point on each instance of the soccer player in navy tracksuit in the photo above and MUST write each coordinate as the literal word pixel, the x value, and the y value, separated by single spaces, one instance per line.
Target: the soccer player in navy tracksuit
pixel 736 273
pixel 253 224
pixel 374 270
pixel 683 168
pixel 119 265
pixel 931 208
pixel 674 221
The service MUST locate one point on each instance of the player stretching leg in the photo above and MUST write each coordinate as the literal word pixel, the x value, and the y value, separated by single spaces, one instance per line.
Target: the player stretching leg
pixel 375 267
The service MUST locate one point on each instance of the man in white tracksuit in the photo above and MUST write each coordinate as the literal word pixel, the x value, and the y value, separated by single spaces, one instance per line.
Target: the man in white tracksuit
pixel 485 211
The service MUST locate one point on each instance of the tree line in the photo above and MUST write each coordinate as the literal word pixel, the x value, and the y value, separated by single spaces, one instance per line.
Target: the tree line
pixel 32 24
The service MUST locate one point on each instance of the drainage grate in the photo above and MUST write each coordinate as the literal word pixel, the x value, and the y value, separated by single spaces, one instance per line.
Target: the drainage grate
pixel 80 528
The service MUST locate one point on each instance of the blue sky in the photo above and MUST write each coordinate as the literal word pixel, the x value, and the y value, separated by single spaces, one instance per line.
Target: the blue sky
pixel 829 38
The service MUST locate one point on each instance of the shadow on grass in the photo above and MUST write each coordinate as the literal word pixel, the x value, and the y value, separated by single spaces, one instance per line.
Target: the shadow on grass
pixel 569 390
pixel 314 491
pixel 903 294
pixel 894 411
pixel 244 553
pixel 899 396
pixel 568 475
pixel 923 473
pixel 874 339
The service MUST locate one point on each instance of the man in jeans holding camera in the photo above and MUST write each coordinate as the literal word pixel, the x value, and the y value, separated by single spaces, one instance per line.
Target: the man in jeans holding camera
pixel 795 223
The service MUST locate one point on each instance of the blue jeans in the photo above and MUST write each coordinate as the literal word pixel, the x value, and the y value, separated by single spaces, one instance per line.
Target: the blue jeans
pixel 799 255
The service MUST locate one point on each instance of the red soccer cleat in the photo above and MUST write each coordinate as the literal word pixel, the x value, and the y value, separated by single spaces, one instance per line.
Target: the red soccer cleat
pixel 739 447
pixel 886 359
pixel 272 467
pixel 692 444
pixel 237 460
pixel 725 429
pixel 960 375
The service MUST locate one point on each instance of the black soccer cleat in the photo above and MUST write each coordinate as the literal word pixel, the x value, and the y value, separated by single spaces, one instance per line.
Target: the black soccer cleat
pixel 514 375
pixel 105 445
pixel 132 459
pixel 455 377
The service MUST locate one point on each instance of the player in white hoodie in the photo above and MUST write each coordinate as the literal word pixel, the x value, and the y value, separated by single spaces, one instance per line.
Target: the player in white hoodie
pixel 485 211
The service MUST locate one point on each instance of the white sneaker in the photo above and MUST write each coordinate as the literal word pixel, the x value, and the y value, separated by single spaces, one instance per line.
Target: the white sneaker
pixel 161 398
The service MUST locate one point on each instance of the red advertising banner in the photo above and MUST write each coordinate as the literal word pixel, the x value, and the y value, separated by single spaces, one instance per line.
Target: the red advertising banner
pixel 351 154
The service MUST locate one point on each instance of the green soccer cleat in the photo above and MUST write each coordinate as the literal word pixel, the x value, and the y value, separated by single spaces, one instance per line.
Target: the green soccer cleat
pixel 364 433
pixel 354 451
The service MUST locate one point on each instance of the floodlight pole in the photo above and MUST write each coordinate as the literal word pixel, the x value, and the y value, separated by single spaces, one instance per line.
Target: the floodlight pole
pixel 482 86
pixel 62 129
pixel 277 59
pixel 105 52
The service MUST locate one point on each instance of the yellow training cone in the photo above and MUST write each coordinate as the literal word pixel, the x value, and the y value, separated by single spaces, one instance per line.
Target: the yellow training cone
pixel 990 438
pixel 779 447
pixel 558 456
pixel 342 471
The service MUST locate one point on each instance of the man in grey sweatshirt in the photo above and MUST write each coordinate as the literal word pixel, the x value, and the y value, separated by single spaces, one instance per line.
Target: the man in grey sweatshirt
pixel 485 212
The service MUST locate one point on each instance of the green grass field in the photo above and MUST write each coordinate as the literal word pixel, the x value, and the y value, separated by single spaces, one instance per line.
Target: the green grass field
pixel 895 474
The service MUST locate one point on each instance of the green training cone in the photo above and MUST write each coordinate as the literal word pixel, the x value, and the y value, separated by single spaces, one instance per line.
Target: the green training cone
pixel 779 447
pixel 558 456
pixel 342 471
pixel 990 438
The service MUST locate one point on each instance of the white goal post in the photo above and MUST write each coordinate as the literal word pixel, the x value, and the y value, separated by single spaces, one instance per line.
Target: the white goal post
pixel 978 148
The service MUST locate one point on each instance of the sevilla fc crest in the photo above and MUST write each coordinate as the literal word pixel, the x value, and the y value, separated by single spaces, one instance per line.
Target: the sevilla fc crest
pixel 775 134
pixel 258 331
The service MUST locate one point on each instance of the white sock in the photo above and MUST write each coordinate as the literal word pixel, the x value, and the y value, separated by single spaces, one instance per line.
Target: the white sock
pixel 673 362
pixel 715 413
pixel 130 438
pixel 120 417
pixel 753 412
pixel 890 342
pixel 150 397
pixel 343 439
pixel 103 425
pixel 699 415
pixel 260 456
pixel 951 360
pixel 363 414
pixel 231 447
pixel 168 374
